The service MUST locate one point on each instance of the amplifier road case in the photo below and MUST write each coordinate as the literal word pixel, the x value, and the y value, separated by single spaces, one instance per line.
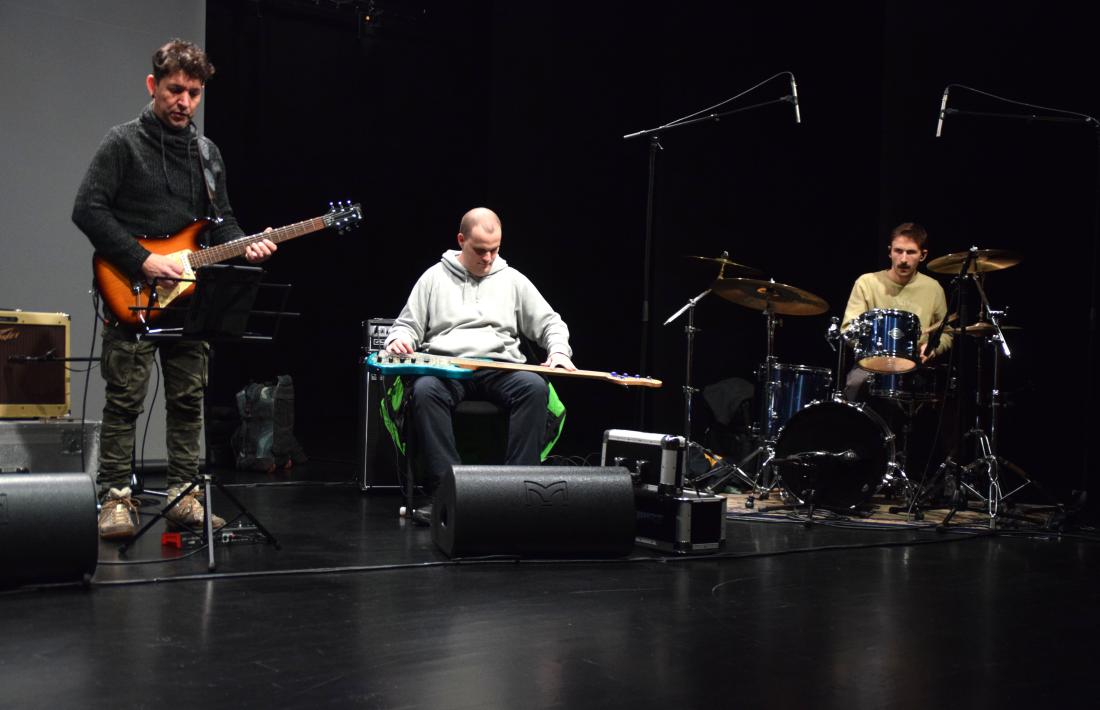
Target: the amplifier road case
pixel 49 446
pixel 668 517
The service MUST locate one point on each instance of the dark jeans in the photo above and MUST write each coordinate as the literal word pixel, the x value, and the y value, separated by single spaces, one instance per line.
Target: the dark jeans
pixel 126 366
pixel 522 394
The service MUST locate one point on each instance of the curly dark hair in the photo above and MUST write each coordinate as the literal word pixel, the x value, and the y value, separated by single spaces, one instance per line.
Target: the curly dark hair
pixel 181 55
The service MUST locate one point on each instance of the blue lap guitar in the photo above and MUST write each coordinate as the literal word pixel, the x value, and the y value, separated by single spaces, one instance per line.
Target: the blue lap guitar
pixel 463 367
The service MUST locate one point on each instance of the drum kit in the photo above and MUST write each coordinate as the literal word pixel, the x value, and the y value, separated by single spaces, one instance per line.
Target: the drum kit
pixel 814 446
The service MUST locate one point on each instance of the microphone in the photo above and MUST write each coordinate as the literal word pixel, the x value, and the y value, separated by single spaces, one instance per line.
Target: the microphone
pixel 943 109
pixel 794 100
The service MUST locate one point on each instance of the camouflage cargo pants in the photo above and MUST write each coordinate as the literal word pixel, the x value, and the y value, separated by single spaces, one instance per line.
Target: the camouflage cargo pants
pixel 126 366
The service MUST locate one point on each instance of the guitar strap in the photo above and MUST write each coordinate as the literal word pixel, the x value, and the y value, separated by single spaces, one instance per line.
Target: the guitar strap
pixel 208 176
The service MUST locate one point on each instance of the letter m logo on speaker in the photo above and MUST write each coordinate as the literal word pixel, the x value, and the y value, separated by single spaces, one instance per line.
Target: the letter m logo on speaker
pixel 556 493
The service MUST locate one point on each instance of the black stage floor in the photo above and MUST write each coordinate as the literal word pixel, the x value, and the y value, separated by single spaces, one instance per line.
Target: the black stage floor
pixel 359 609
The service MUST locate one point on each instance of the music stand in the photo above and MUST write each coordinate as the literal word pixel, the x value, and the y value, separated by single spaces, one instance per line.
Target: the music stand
pixel 219 310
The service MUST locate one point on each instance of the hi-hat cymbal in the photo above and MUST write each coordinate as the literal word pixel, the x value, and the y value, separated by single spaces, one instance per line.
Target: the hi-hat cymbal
pixel 980 329
pixel 759 295
pixel 985 260
pixel 730 268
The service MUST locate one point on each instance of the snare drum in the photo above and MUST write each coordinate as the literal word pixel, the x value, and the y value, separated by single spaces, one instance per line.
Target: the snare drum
pixel 861 440
pixel 789 388
pixel 886 340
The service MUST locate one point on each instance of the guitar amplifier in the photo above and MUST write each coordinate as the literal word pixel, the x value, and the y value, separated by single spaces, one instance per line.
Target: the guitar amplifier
pixel 377 456
pixel 30 385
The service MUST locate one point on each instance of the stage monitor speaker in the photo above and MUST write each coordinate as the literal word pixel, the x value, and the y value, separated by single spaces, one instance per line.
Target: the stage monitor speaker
pixel 534 511
pixel 30 384
pixel 376 454
pixel 48 526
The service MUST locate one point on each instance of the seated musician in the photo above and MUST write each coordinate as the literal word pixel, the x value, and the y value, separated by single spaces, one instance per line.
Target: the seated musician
pixel 473 304
pixel 903 288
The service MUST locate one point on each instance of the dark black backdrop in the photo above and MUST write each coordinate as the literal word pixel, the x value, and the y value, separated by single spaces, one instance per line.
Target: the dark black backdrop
pixel 432 108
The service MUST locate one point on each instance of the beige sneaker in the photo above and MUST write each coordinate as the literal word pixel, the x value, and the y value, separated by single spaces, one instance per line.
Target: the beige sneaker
pixel 118 515
pixel 189 511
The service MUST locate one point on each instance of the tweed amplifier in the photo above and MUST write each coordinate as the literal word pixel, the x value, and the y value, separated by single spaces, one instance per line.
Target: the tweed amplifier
pixel 32 383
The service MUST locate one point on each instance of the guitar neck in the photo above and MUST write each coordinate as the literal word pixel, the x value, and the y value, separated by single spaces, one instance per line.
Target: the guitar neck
pixel 475 364
pixel 235 248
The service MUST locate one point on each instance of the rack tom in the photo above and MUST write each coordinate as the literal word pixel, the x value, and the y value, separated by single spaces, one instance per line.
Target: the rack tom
pixel 886 340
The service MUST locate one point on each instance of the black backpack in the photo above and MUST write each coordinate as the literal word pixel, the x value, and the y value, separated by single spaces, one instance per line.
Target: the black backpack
pixel 265 439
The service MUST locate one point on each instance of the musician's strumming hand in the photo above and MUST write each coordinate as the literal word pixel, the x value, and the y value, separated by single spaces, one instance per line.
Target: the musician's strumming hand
pixel 163 268
pixel 400 347
pixel 559 360
pixel 259 251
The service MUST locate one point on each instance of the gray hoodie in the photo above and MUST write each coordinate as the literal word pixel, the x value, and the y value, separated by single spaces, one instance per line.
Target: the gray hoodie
pixel 450 312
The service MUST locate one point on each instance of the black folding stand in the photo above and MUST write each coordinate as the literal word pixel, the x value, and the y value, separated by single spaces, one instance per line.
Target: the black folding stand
pixel 219 310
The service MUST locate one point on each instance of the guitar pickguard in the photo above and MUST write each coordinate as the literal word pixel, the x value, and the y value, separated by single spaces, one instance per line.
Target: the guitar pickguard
pixel 167 295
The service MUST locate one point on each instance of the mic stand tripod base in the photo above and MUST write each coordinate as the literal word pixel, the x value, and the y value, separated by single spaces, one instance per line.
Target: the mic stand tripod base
pixel 208 516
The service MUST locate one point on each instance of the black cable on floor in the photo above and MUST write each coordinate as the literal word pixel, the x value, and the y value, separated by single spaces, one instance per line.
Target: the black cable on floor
pixel 505 559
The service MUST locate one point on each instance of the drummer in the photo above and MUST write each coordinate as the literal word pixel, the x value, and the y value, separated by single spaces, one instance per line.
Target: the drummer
pixel 903 288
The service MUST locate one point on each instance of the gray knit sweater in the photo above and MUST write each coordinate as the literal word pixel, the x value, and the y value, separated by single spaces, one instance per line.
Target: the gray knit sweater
pixel 146 180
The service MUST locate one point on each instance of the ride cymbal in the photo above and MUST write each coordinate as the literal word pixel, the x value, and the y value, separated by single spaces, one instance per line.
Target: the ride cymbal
pixel 984 261
pixel 760 295
pixel 729 268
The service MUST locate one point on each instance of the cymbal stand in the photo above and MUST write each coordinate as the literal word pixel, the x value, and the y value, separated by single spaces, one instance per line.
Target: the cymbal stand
pixel 689 397
pixel 988 461
pixel 759 484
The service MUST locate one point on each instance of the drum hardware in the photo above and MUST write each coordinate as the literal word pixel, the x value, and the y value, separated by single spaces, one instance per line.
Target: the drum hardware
pixel 690 390
pixel 987 462
pixel 771 298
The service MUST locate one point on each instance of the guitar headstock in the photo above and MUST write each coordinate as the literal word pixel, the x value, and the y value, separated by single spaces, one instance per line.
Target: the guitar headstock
pixel 343 216
pixel 626 380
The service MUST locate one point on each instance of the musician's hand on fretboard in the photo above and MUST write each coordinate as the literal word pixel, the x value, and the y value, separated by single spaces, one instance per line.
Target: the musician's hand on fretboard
pixel 559 360
pixel 400 347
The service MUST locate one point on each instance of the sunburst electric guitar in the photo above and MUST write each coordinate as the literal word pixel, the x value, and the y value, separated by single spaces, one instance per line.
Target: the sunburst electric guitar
pixel 458 368
pixel 135 303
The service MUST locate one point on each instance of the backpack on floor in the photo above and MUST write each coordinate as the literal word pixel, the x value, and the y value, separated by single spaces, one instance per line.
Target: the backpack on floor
pixel 265 439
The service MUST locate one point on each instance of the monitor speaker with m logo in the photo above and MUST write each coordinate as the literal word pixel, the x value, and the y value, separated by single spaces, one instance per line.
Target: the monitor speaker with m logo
pixel 535 511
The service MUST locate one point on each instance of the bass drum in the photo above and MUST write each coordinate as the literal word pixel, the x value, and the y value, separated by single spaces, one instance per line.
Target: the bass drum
pixel 864 448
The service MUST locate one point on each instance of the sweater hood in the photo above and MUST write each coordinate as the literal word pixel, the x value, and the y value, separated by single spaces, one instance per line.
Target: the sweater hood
pixel 452 264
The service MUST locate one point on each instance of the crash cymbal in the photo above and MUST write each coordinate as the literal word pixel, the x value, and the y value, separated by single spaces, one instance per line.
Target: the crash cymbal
pixel 980 329
pixel 985 260
pixel 730 268
pixel 758 295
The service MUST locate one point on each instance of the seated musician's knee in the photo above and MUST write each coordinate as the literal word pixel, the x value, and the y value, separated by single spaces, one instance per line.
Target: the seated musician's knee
pixel 530 385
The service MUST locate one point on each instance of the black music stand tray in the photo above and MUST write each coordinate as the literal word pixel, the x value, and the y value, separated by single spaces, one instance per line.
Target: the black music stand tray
pixel 219 310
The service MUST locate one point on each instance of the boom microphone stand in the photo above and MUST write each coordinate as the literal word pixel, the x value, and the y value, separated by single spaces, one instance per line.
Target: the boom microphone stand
pixel 654 136
pixel 1067 117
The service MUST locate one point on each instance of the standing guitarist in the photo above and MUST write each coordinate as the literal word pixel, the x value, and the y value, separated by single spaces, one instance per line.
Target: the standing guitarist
pixel 152 176
pixel 473 304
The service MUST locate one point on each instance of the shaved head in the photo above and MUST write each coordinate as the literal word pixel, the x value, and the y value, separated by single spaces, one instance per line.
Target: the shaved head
pixel 479 235
pixel 479 217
